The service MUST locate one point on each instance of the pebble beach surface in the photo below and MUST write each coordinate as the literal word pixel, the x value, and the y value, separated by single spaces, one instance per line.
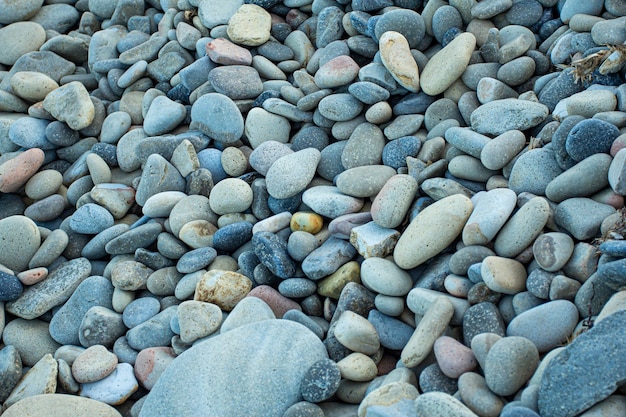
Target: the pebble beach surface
pixel 312 208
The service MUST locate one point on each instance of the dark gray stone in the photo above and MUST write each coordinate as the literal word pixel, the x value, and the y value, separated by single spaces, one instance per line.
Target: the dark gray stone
pixel 587 371
pixel 482 318
pixel 321 381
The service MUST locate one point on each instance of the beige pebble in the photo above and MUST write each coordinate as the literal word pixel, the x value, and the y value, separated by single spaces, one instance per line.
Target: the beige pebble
pixel 356 333
pixel 231 195
pixel 234 161
pixel 43 184
pixel 357 367
pixel 503 275
pixel 397 58
pixel 431 326
pixel 250 25
pixel 197 233
pixel 222 288
pixel 432 231
pixel 379 113
pixel 185 158
pixel 443 69
pixel 387 395
pixel 32 86
pixel 98 169
pixel 94 364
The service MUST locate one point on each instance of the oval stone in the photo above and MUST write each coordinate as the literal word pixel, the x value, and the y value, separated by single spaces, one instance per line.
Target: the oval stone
pixel 447 65
pixel 384 277
pixel 547 325
pixel 432 230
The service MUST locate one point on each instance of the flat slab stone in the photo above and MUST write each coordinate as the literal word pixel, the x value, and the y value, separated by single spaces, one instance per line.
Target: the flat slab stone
pixel 587 371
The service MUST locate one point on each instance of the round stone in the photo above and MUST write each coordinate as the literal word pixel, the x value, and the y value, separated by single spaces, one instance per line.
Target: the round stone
pixel 20 38
pixel 384 277
pixel 511 361
pixel 231 195
pixel 32 86
pixel 546 325
pixel 553 250
pixel 321 381
pixel 19 240
pixel 218 116
pixel 588 137
pixel 94 364
pixel 250 25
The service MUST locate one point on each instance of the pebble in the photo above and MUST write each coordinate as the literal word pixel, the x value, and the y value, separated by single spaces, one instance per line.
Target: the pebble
pixel 94 364
pixel 515 115
pixel 396 56
pixel 113 389
pixel 522 228
pixel 321 381
pixel 490 213
pixel 151 363
pixel 432 325
pixel 451 61
pixel 441 403
pixel 53 291
pixel 15 172
pixel 18 44
pixel 420 242
pixel 218 116
pixel 476 395
pixel 223 288
pixel 454 358
pixel 546 325
pixel 384 277
pixel 511 361
pixel 356 333
pixel 290 174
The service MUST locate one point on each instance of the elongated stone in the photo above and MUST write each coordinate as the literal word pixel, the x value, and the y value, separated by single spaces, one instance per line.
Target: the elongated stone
pixel 432 231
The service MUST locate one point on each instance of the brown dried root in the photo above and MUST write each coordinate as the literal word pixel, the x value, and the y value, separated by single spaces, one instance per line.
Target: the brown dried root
pixel 606 62
pixel 617 231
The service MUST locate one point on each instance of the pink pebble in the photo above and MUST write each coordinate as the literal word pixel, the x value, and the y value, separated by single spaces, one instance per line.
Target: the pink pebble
pixel 453 357
pixel 277 302
pixel 150 364
pixel 223 51
pixel 15 172
pixel 32 276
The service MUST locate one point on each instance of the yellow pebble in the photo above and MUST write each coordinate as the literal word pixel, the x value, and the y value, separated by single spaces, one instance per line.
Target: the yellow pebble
pixel 306 222
pixel 332 285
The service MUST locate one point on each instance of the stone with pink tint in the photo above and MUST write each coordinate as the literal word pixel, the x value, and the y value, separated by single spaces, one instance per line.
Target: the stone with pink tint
pixel 277 302
pixel 222 51
pixel 32 276
pixel 94 364
pixel 15 172
pixel 338 71
pixel 151 363
pixel 453 357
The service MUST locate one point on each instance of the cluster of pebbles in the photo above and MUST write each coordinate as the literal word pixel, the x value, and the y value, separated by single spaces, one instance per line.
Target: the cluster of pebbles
pixel 308 208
